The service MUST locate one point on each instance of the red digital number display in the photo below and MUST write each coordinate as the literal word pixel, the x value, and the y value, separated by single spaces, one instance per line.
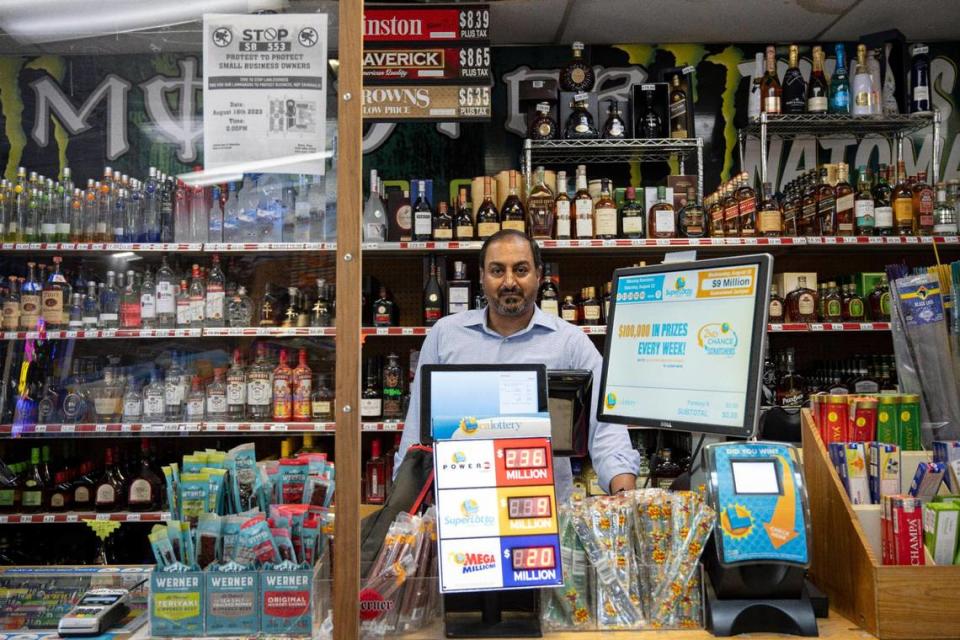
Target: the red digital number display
pixel 529 507
pixel 531 458
pixel 534 558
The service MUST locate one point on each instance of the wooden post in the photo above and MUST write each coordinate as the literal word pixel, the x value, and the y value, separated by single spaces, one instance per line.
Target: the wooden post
pixel 346 572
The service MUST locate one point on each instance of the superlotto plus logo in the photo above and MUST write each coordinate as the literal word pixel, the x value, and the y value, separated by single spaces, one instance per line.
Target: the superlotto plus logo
pixel 718 339
pixel 470 515
pixel 678 289
pixel 474 562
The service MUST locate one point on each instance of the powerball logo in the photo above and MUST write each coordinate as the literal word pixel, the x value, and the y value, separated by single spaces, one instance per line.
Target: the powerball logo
pixel 679 289
pixel 459 461
pixel 473 562
pixel 718 339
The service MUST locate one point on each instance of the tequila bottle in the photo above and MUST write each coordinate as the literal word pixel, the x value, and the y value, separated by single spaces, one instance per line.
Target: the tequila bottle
pixel 320 315
pixel 282 391
pixel 30 294
pixel 302 388
pixel 55 297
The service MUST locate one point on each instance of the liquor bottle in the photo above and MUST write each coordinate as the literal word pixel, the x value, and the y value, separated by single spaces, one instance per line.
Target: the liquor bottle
pixel 61 493
pixel 832 304
pixel 577 75
pixel 166 291
pixel 662 219
pixel 583 206
pixel 154 399
pixel 579 125
pixel 775 306
pixel 463 222
pixel 459 290
pixel 488 218
pixel 826 205
pixel 548 296
pixel 75 216
pixel 383 310
pixel 512 213
pixel 666 470
pixel 845 202
pixel 879 302
pixel 543 126
pixel 791 390
pixel 146 488
pixel 650 124
pixel 920 80
pixel 678 109
pixel 371 401
pixel 443 224
pixel 259 390
pixel 30 294
pixel 130 304
pixel 75 312
pixel 374 214
pixel 562 207
pixel 853 307
pixel 802 303
pixel 31 231
pixel 605 214
pixel 923 205
pixel 755 101
pixel 217 397
pixel 432 297
pixel 807 224
pixel 944 215
pixel 301 385
pixel 320 314
pixel 148 301
pixel 33 492
pixel 590 307
pixel 876 95
pixel 540 208
pixel 863 205
pixel 691 220
pixel 883 203
pixel 422 214
pixel 902 201
pixel 746 208
pixel 239 311
pixel 770 85
pixel 770 218
pixel 818 91
pixel 568 310
pixel 11 305
pixel 184 307
pixel 321 400
pixel 292 312
pixel 236 389
pixel 375 475
pixel 54 297
pixel 215 303
pixel 632 216
pixel 282 391
pixel 198 297
pixel 196 404
pixel 108 493
pixel 840 84
pixel 614 128
pixel 132 403
pixel 715 212
pixel 731 210
pixel 862 89
pixel 794 95
pixel 108 397
pixel 392 404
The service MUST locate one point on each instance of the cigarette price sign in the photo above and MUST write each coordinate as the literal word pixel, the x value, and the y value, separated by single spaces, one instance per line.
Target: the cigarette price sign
pixel 496 514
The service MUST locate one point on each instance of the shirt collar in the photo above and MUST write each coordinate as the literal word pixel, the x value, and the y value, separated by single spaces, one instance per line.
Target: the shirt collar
pixel 478 318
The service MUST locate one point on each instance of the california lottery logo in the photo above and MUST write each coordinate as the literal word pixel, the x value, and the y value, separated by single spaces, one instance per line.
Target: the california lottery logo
pixel 718 339
pixel 610 400
pixel 473 562
pixel 469 425
pixel 736 521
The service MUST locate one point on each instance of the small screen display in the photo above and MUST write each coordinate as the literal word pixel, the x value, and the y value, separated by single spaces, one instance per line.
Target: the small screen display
pixel 534 558
pixel 530 458
pixel 755 477
pixel 98 600
pixel 529 507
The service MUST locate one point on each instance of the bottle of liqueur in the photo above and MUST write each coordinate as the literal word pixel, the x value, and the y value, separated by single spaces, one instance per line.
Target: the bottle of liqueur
pixel 678 109
pixel 591 309
pixel 562 207
pixel 583 206
pixel 614 128
pixel 432 297
pixel 770 219
pixel 392 388
pixel 746 207
pixel 920 80
pixel 375 476
pixel 459 290
pixel 802 303
pixel 864 210
pixel 422 214
pixel 512 213
pixel 826 205
pixel 579 125
pixel 845 199
pixel 371 400
pixel 794 96
pixel 923 205
pixel 840 84
pixel 568 310
pixel 543 126
pixel 902 201
pixel 383 309
pixel 443 224
pixel 883 204
pixel 577 75
pixel 632 216
pixel 770 89
pixel 463 220
pixel 108 491
pixel 605 214
pixel 650 125
pixel 488 217
pixel 34 490
pixel 548 297
pixel 691 219
pixel 540 208
pixel 818 91
pixel 662 218
pixel 862 104
pixel 775 311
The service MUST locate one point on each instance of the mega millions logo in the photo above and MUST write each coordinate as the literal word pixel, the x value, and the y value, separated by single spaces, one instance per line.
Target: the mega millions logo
pixel 469 425
pixel 610 401
pixel 718 339
pixel 473 562
pixel 679 289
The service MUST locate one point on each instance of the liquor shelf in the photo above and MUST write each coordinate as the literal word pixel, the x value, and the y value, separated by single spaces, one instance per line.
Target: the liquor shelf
pixel 71 517
pixel 626 150
pixel 171 247
pixel 390 425
pixel 831 125
pixel 814 327
pixel 166 428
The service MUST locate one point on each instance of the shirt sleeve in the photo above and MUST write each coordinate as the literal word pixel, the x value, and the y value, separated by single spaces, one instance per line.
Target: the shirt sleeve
pixel 429 354
pixel 611 451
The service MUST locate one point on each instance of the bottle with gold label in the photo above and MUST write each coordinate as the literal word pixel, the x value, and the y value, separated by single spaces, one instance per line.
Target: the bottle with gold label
pixel 802 303
pixel 715 211
pixel 632 216
pixel 826 204
pixel 923 205
pixel 614 128
pixel 691 219
pixel 591 309
pixel 463 222
pixel 902 200
pixel 513 215
pixel 794 98
pixel 568 310
pixel 770 219
pixel 832 304
pixel 731 209
pixel 540 208
pixel 577 75
pixel 770 90
pixel 543 126
pixel 488 217
pixel 678 110
pixel 845 199
pixel 605 214
pixel 443 223
pixel 548 297
pixel 662 219
pixel 775 306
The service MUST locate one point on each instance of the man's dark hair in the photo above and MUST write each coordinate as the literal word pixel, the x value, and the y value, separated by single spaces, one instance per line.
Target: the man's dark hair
pixel 505 234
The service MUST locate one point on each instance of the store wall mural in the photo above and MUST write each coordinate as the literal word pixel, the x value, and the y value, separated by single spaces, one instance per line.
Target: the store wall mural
pixel 140 110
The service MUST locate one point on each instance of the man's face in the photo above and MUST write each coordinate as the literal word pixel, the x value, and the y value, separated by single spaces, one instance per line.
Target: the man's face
pixel 510 280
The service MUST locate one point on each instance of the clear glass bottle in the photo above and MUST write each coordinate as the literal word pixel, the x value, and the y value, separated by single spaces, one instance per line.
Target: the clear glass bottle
pixel 320 313
pixel 148 301
pixel 154 399
pixel 215 307
pixel 110 303
pixel 174 390
pixel 130 304
pixel 108 397
pixel 662 219
pixel 11 305
pixel 217 397
pixel 583 206
pixel 944 215
pixel 91 307
pixel 902 202
pixel 132 402
pixel 196 401
pixel 75 312
pixel 259 386
pixel 198 297
pixel 540 207
pixel 282 389
pixel 321 401
pixel 236 388
pixel 562 207
pixel 165 296
pixel 864 209
pixel 184 306
pixel 240 309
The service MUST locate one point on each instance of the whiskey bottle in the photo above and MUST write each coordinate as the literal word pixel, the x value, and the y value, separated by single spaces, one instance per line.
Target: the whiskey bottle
pixel 923 206
pixel 577 75
pixel 512 213
pixel 321 401
pixel 548 297
pixel 770 219
pixel 802 303
pixel 583 206
pixel 443 227
pixel 432 297
pixel 375 476
pixel 818 91
pixel 746 207
pixel 607 299
pixel 540 208
pixel 543 126
pixel 902 202
pixel 605 214
pixel 853 307
pixel 579 125
pixel 459 290
pixel 715 212
pixel 371 401
pixel 691 219
pixel 845 201
pixel 832 304
pixel 864 209
pixel 632 216
pixel 217 397
pixel 650 125
pixel 568 310
pixel 383 310
pixel 562 207
pixel 879 302
pixel 422 214
pixel 662 218
pixel 259 389
pixel 145 489
pixel 236 389
pixel 614 128
pixel 840 84
pixel 791 390
pixel 809 223
pixel 794 95
pixel 590 307
pixel 302 388
pixel 55 297
pixel 826 205
pixel 282 392
pixel 678 109
pixel 488 218
pixel 731 209
pixel 392 404
pixel 770 84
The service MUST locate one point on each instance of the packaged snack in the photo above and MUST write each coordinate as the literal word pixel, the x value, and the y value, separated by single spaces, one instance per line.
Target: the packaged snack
pixel 309 534
pixel 194 495
pixel 318 491
pixel 255 544
pixel 230 531
pixel 162 549
pixel 217 478
pixel 172 488
pixel 208 539
pixel 176 541
pixel 186 543
pixel 193 463
pixel 284 544
pixel 245 477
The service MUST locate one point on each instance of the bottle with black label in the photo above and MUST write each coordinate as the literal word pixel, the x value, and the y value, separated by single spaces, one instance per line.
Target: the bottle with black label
pixel 422 214
pixel 794 91
pixel 432 297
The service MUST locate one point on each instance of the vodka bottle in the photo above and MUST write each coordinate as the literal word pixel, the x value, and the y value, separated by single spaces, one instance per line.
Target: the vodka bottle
pixel 302 221
pixel 148 301
pixel 374 215
pixel 166 292
pixel 181 214
pixel 110 303
pixel 151 207
pixel 215 218
pixel 199 214
pixel 65 193
pixel 215 308
pixel 231 215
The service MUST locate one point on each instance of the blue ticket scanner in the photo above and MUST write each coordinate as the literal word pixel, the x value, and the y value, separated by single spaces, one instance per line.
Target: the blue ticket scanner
pixel 760 549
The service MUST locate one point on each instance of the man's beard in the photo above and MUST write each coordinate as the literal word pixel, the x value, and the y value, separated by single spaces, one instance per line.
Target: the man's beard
pixel 517 305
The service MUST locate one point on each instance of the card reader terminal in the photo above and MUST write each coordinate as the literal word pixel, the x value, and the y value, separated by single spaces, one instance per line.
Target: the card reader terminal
pixel 97 611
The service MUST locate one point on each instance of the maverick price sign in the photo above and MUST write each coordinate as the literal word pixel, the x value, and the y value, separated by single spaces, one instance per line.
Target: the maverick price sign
pixel 449 65
pixel 444 103
pixel 426 23
pixel 496 515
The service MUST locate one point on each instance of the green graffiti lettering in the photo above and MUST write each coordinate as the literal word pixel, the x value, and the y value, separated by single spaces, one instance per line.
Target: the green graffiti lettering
pixel 11 105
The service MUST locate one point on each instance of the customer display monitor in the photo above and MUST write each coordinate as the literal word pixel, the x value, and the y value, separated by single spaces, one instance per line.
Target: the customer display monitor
pixel 685 344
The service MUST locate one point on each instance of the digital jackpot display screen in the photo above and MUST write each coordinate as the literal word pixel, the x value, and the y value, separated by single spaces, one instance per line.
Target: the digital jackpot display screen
pixel 529 507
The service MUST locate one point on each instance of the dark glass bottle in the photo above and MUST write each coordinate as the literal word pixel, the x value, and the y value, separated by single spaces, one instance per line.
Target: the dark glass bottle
pixel 853 307
pixel 513 215
pixel 666 470
pixel 590 306
pixel 770 217
pixel 443 223
pixel 548 296
pixel 794 97
pixel 432 297
pixel 614 128
pixel 832 304
pixel 632 216
pixel 488 217
pixel 920 80
pixel 678 109
pixel 371 401
pixel 579 125
pixel 383 310
pixel 144 491
pixel 543 126
pixel 392 389
pixel 34 489
pixel 746 207
pixel 422 214
pixel 883 203
pixel 802 303
pixel 818 90
pixel 108 491
pixel 845 202
pixel 650 125
pixel 691 220
pixel 791 390
pixel 826 206
pixel 775 310
pixel 463 220
pixel 577 75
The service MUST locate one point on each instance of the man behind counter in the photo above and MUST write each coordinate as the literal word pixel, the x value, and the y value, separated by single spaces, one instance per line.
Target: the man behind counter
pixel 513 330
